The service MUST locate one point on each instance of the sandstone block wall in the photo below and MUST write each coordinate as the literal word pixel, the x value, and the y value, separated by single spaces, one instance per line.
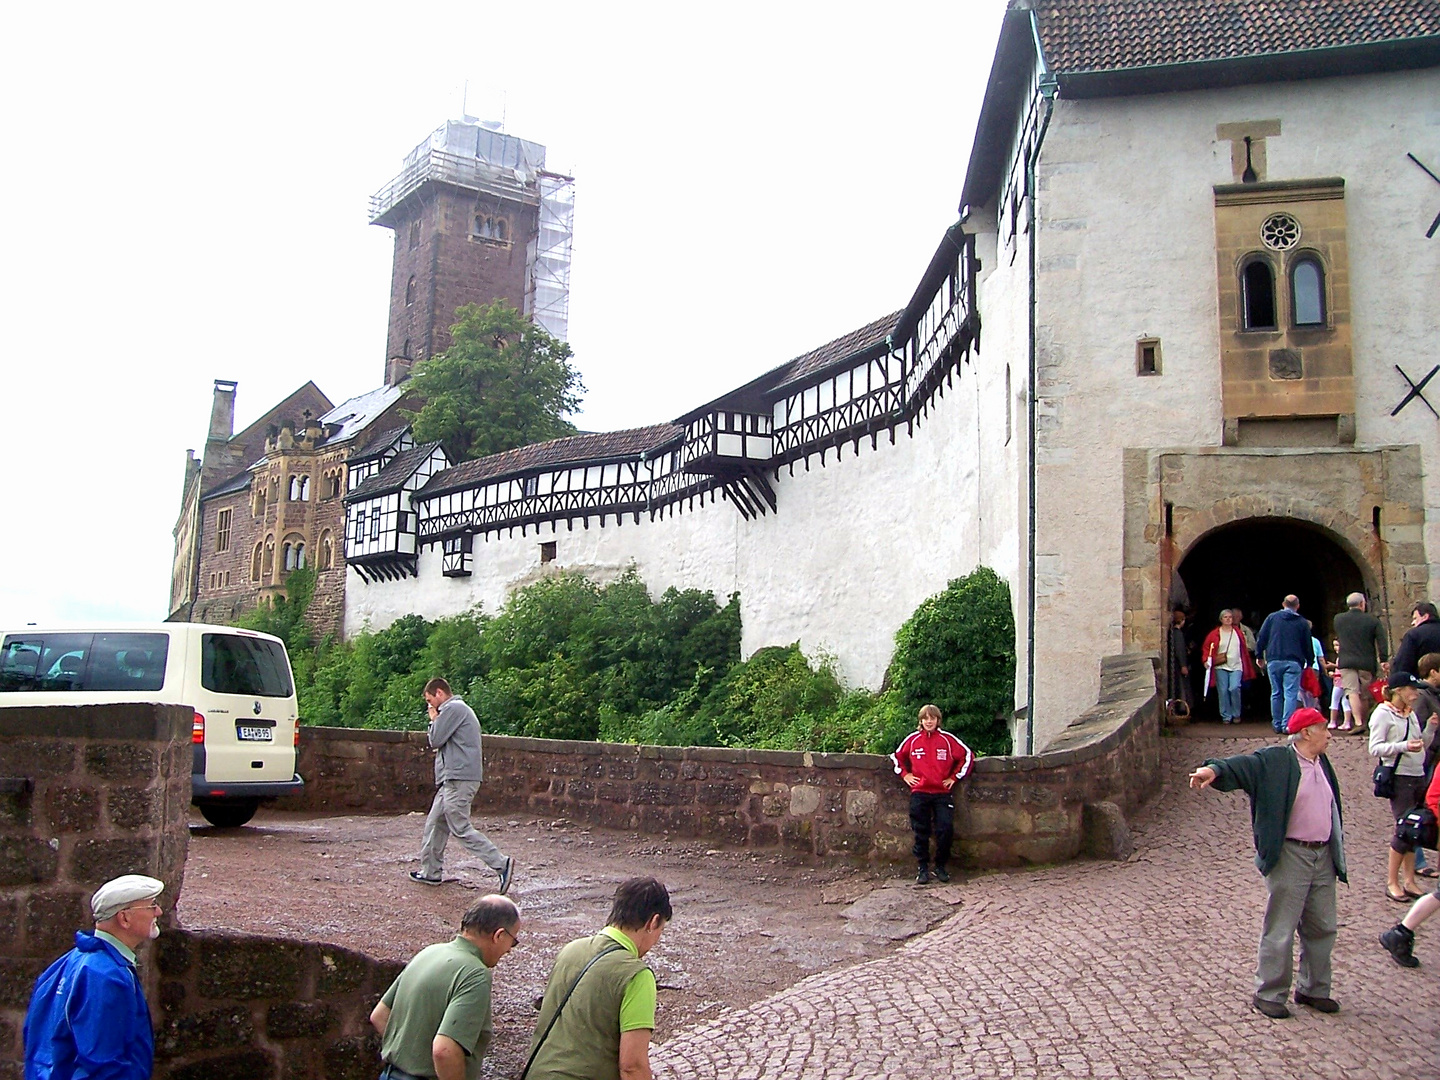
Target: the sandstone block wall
pixel 86 794
pixel 1010 811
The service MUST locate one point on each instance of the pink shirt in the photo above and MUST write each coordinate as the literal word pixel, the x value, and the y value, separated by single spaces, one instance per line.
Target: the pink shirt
pixel 1310 817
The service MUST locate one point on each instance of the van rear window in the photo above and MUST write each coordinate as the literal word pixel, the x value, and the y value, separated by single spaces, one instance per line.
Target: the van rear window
pixel 63 663
pixel 230 664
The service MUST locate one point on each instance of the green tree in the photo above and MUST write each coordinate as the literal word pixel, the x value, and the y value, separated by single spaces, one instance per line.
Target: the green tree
pixel 503 382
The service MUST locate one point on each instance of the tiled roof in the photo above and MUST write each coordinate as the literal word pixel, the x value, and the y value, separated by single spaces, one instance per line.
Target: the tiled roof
pixel 239 482
pixel 379 443
pixel 393 476
pixel 1106 35
pixel 573 449
pixel 868 336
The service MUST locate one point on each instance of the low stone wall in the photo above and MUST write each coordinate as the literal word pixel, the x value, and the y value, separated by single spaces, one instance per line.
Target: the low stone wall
pixel 1011 810
pixel 86 794
pixel 235 1007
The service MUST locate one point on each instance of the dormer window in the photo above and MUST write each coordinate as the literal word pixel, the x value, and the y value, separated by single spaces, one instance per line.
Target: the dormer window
pixel 1307 292
pixel 1257 295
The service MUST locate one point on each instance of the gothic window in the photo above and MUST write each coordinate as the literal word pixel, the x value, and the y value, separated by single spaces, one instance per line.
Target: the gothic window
pixel 327 551
pixel 1257 295
pixel 300 556
pixel 1307 292
pixel 405 349
pixel 222 531
pixel 255 562
pixel 268 566
pixel 414 234
pixel 332 486
pixel 287 555
pixel 304 489
pixel 294 489
pixel 259 505
pixel 501 230
pixel 410 291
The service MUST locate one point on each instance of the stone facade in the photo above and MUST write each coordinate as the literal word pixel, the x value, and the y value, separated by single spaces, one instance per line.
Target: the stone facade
pixel 1010 811
pixel 443 261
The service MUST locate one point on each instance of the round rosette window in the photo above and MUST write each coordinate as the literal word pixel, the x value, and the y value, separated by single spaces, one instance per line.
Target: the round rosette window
pixel 1280 232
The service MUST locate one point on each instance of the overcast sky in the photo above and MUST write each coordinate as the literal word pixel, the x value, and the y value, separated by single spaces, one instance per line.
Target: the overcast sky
pixel 187 192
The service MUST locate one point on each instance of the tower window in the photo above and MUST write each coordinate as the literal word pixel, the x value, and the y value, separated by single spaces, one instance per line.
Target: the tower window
pixel 1257 295
pixel 255 563
pixel 1307 292
pixel 414 234
pixel 410 291
pixel 1147 356
pixel 222 531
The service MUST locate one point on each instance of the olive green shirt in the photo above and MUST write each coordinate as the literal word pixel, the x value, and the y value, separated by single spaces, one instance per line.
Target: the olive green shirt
pixel 444 990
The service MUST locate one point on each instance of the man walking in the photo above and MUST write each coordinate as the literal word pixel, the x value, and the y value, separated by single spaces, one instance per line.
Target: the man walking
pixel 454 735
pixel 599 1005
pixel 1362 644
pixel 88 1016
pixel 435 1018
pixel 1422 637
pixel 1299 847
pixel 1285 643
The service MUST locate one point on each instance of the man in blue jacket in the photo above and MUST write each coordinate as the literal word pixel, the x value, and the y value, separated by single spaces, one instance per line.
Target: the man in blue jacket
pixel 88 1018
pixel 1286 647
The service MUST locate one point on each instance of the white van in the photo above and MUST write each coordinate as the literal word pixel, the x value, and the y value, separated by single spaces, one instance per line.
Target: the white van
pixel 238 682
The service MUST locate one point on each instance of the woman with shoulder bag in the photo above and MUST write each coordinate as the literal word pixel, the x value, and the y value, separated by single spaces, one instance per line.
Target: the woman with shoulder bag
pixel 1397 739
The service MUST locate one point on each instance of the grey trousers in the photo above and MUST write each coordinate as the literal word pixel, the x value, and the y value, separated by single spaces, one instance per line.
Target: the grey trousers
pixel 450 816
pixel 1302 897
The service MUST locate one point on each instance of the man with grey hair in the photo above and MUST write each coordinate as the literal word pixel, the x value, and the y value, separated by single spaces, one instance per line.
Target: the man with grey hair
pixel 1300 849
pixel 88 1016
pixel 1287 648
pixel 1362 644
pixel 435 1018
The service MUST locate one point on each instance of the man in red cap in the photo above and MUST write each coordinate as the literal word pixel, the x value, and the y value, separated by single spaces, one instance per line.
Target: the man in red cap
pixel 1300 848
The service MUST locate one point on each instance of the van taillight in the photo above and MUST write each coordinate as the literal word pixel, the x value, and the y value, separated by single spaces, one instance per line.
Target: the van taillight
pixel 197 732
pixel 297 734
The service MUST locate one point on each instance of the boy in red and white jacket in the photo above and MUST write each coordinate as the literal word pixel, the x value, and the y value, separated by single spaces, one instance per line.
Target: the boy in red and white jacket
pixel 932 762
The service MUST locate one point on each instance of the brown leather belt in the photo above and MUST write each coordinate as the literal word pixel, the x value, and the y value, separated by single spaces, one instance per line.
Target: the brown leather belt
pixel 1308 843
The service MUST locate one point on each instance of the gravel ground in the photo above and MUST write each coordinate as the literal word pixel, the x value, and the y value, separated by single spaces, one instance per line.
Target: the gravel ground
pixel 746 926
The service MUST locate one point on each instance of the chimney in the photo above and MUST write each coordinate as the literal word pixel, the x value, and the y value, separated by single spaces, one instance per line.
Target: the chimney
pixel 222 412
pixel 397 370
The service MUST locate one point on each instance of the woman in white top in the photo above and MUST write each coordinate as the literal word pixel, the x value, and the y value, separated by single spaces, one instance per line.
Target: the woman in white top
pixel 1396 738
pixel 1227 664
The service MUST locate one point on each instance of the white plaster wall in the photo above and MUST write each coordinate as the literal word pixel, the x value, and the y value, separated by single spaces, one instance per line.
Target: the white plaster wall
pixel 1127 250
pixel 855 546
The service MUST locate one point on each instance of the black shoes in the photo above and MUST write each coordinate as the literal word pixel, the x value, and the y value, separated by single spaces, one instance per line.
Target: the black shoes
pixel 1319 1004
pixel 942 875
pixel 1273 1009
pixel 923 877
pixel 506 873
pixel 415 875
pixel 1399 942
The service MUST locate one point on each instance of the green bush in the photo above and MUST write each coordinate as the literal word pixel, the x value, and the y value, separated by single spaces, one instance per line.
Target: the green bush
pixel 958 652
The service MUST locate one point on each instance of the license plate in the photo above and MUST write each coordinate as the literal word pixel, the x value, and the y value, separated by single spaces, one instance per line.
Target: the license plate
pixel 255 734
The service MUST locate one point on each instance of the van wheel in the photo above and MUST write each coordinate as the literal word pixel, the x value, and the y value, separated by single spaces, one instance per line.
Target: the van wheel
pixel 229 815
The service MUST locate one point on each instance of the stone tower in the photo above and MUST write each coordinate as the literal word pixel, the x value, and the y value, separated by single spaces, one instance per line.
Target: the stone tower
pixel 476 218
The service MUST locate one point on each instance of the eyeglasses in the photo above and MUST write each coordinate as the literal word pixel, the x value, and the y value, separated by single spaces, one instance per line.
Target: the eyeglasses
pixel 151 906
pixel 514 938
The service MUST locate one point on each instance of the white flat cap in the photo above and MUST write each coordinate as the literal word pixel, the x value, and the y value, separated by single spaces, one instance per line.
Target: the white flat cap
pixel 122 892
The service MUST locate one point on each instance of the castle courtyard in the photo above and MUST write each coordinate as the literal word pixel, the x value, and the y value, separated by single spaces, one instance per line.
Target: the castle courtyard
pixel 1088 969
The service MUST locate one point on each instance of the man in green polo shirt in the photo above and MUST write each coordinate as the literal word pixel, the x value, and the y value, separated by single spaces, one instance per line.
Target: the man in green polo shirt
pixel 434 1021
pixel 599 1005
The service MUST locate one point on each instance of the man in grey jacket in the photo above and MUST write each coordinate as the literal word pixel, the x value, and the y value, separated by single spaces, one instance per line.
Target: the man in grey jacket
pixel 454 735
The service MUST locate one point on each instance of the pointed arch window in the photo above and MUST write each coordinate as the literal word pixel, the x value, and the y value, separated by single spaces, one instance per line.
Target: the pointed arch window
pixel 410 291
pixel 294 489
pixel 1257 295
pixel 327 551
pixel 300 556
pixel 1307 291
pixel 304 489
pixel 268 565
pixel 255 562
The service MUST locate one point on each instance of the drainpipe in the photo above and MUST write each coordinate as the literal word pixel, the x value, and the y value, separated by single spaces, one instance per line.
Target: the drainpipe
pixel 1048 89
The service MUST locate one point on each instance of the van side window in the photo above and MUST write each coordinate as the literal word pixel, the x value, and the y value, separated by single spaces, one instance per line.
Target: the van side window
pixel 61 663
pixel 231 664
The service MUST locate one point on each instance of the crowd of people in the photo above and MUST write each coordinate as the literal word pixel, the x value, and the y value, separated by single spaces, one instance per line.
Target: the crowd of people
pixel 1296 819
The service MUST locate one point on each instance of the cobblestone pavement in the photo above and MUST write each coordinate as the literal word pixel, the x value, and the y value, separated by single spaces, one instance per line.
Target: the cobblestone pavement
pixel 1091 969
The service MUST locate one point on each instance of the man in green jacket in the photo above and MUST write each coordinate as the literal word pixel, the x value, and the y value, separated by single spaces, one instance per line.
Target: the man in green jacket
pixel 1300 848
pixel 599 1005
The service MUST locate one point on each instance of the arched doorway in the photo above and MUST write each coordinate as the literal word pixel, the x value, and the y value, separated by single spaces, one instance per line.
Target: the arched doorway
pixel 1253 564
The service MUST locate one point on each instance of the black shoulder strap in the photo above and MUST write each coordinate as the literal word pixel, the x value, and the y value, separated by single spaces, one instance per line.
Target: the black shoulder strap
pixel 558 1008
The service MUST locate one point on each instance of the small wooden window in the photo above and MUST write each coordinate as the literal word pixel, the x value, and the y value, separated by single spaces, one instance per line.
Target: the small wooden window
pixel 222 531
pixel 547 552
pixel 1147 356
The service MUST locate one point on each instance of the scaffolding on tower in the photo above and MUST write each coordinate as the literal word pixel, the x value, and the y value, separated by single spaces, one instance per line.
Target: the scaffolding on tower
pixel 548 298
